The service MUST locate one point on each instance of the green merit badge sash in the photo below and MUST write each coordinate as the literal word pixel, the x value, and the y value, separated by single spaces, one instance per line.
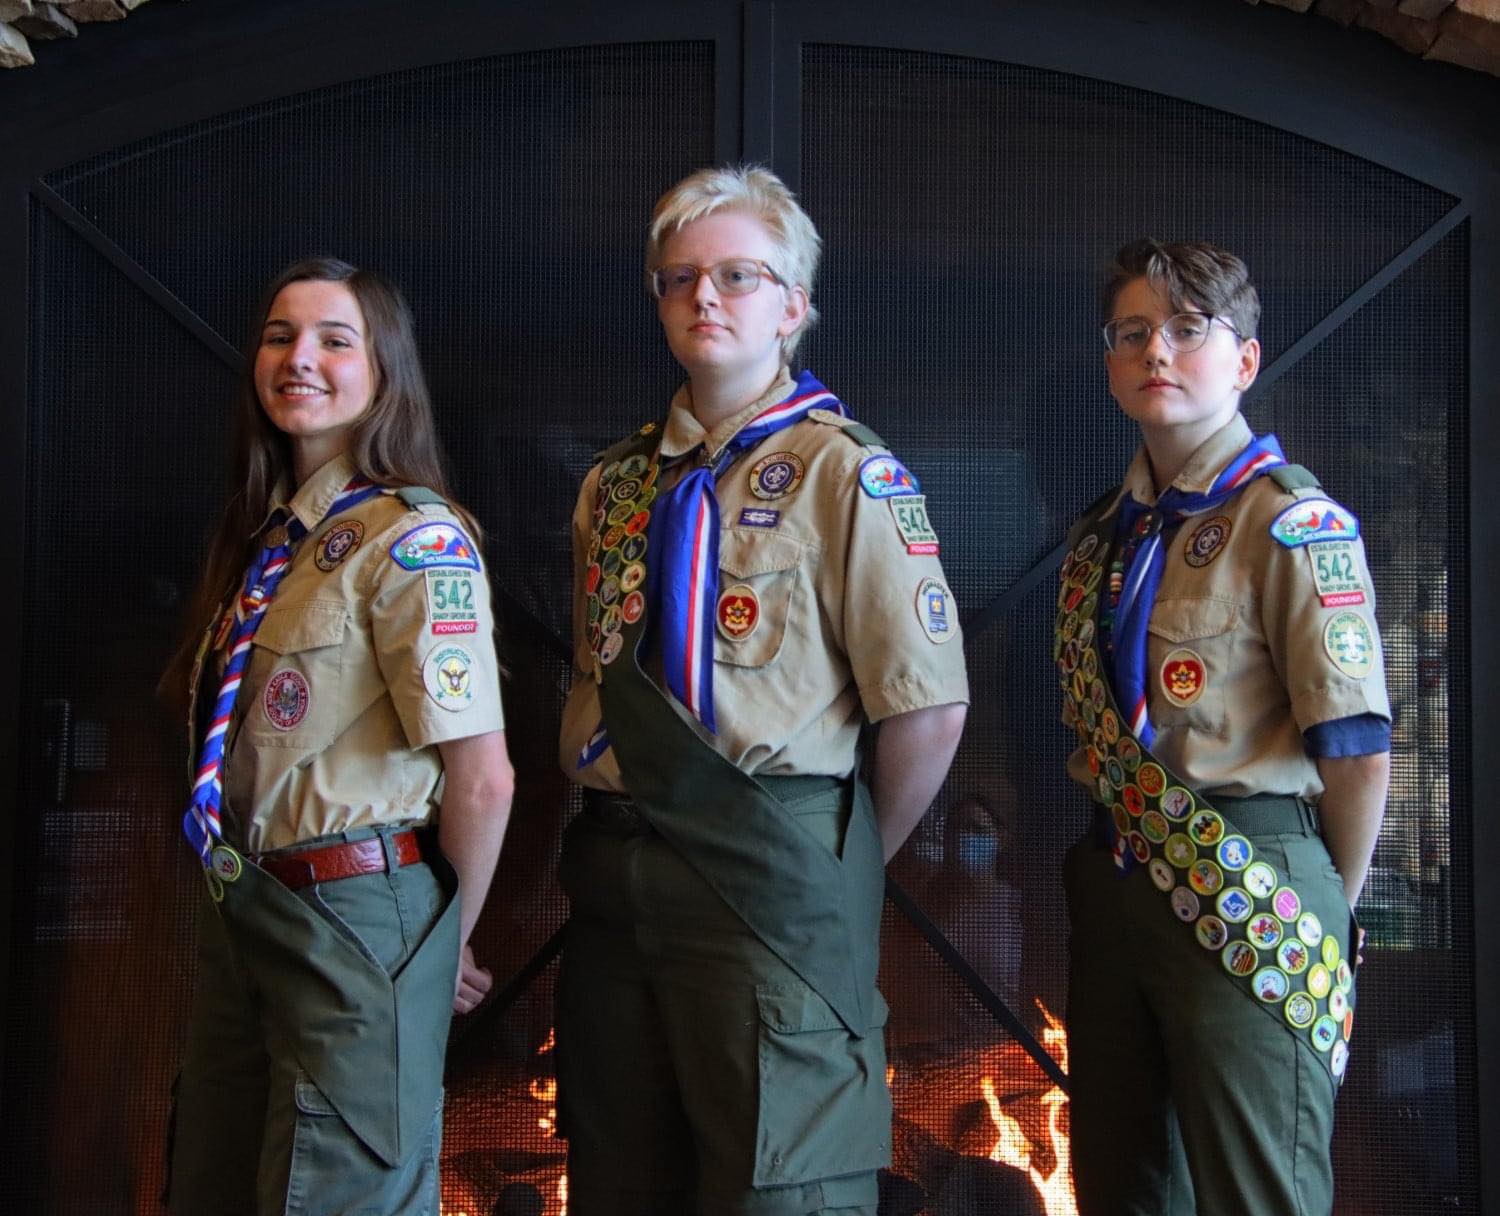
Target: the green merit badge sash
pixel 372 1043
pixel 818 912
pixel 1239 907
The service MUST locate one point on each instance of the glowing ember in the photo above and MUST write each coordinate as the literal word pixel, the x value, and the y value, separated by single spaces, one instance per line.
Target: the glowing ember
pixel 544 1090
pixel 1015 1150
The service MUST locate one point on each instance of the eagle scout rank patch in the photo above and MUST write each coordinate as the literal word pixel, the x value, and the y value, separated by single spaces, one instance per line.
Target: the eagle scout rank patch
pixel 448 673
pixel 1350 644
pixel 1313 519
pixel 434 545
pixel 910 515
pixel 450 601
pixel 886 477
pixel 739 612
pixel 1336 573
pixel 935 609
pixel 338 543
pixel 1183 677
pixel 286 699
pixel 777 475
pixel 1207 540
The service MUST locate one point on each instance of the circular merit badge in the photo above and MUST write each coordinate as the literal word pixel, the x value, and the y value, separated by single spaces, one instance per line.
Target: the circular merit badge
pixel 1300 1009
pixel 1211 932
pixel 1183 677
pixel 738 612
pixel 936 611
pixel 226 863
pixel 1207 540
pixel 1271 985
pixel 286 699
pixel 338 543
pixel 1239 958
pixel 448 673
pixel 777 475
pixel 1162 877
pixel 1350 644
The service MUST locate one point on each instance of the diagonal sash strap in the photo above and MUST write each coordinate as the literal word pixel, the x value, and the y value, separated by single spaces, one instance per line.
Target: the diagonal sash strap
pixel 819 913
pixel 1272 948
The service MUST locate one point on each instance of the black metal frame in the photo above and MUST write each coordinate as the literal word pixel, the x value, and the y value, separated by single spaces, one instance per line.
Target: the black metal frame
pixel 1348 89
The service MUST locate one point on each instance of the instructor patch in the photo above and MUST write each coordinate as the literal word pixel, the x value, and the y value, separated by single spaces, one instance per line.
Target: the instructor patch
pixel 448 673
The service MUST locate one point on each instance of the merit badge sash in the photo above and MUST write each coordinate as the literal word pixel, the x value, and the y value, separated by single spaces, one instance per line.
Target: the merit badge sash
pixel 1237 905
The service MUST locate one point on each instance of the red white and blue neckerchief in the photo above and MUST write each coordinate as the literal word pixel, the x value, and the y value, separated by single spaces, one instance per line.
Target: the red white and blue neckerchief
pixel 201 821
pixel 683 582
pixel 1142 553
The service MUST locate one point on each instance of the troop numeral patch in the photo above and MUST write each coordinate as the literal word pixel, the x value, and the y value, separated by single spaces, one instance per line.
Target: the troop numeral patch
pixel 1337 574
pixel 450 602
pixel 911 521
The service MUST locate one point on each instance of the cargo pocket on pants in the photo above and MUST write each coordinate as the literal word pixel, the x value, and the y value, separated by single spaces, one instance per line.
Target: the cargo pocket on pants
pixel 824 1108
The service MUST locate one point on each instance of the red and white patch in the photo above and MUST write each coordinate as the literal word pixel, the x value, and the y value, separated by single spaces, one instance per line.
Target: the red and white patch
pixel 738 612
pixel 286 699
pixel 1183 677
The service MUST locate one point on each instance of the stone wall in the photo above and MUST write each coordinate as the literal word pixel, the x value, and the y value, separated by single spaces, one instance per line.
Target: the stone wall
pixel 1465 32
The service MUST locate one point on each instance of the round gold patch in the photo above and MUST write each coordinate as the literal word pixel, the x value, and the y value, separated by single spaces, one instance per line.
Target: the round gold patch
pixel 1207 540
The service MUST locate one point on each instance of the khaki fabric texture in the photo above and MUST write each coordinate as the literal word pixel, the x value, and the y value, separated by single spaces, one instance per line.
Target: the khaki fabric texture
pixel 364 753
pixel 840 639
pixel 1253 615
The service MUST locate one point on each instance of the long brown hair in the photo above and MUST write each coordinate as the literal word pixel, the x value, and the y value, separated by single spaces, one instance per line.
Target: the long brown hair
pixel 393 443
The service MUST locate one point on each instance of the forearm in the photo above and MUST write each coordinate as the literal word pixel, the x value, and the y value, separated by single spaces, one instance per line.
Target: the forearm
pixel 1351 811
pixel 477 789
pixel 912 754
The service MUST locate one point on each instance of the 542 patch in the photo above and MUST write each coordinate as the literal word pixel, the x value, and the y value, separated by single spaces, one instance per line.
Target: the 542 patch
pixel 450 602
pixel 910 514
pixel 1336 572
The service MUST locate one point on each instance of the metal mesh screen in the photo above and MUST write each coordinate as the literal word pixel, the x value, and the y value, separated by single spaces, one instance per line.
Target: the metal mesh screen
pixel 508 198
pixel 968 208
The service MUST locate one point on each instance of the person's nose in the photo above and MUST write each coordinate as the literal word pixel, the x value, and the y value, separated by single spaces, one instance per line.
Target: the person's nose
pixel 705 293
pixel 1157 350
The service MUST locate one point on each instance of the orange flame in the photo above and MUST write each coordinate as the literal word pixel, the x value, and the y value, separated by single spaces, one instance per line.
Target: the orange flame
pixel 1014 1149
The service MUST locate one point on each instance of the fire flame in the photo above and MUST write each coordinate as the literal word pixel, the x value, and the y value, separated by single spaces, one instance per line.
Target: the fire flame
pixel 544 1090
pixel 1015 1150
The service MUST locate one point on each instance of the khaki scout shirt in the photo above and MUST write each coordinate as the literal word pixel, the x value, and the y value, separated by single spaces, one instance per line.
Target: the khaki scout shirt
pixel 841 637
pixel 1253 615
pixel 339 713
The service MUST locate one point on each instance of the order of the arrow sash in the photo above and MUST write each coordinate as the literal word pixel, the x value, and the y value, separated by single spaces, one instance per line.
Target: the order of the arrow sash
pixel 1238 906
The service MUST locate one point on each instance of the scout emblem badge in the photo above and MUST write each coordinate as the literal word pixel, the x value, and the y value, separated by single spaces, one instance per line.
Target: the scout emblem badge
pixel 1239 906
pixel 201 822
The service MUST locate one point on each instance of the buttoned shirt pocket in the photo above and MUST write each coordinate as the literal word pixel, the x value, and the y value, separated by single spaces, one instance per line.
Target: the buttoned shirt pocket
pixel 758 579
pixel 299 662
pixel 1189 655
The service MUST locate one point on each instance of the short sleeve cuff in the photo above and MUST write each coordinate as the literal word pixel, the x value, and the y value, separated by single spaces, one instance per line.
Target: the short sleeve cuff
pixel 1360 735
pixel 904 696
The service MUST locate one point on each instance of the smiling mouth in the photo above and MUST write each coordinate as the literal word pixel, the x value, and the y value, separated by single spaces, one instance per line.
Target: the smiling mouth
pixel 300 390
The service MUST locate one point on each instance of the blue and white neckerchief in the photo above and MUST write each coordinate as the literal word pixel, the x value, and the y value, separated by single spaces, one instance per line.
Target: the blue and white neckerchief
pixel 201 822
pixel 1142 555
pixel 683 585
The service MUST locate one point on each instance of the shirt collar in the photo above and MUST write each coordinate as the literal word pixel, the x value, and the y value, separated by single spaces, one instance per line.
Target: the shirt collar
pixel 1202 467
pixel 312 499
pixel 684 432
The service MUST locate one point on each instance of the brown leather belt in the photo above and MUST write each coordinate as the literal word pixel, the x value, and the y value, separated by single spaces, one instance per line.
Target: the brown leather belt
pixel 331 862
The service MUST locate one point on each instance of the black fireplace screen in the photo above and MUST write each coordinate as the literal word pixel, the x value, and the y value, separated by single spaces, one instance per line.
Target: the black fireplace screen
pixel 967 207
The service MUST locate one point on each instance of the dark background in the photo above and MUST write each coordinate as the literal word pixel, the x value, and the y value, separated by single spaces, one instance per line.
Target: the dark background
pixel 970 168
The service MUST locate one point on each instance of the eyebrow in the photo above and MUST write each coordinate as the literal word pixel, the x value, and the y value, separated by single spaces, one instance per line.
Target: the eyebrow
pixel 283 324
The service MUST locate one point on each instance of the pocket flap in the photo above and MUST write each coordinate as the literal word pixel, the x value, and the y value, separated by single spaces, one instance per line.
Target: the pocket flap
pixel 289 628
pixel 793 1010
pixel 753 552
pixel 1182 620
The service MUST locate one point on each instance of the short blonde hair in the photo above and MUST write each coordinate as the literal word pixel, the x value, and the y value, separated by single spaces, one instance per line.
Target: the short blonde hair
pixel 758 192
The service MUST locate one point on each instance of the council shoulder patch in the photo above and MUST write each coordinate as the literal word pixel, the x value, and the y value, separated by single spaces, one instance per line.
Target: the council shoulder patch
pixel 1350 643
pixel 450 601
pixel 1310 519
pixel 434 544
pixel 448 673
pixel 936 610
pixel 884 476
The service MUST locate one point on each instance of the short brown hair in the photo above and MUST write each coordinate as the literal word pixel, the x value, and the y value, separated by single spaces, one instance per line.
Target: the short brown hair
pixel 1194 274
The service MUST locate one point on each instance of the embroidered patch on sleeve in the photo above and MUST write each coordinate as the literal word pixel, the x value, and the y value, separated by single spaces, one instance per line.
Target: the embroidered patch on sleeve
pixel 450 601
pixel 910 514
pixel 936 610
pixel 1311 519
pixel 884 476
pixel 434 545
pixel 448 673
pixel 1337 574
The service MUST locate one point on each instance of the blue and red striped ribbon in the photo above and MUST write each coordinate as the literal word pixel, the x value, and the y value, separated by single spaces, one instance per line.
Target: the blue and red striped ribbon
pixel 201 822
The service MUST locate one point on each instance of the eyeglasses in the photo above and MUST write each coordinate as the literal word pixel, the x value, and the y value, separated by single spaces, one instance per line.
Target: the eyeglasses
pixel 735 277
pixel 1185 332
